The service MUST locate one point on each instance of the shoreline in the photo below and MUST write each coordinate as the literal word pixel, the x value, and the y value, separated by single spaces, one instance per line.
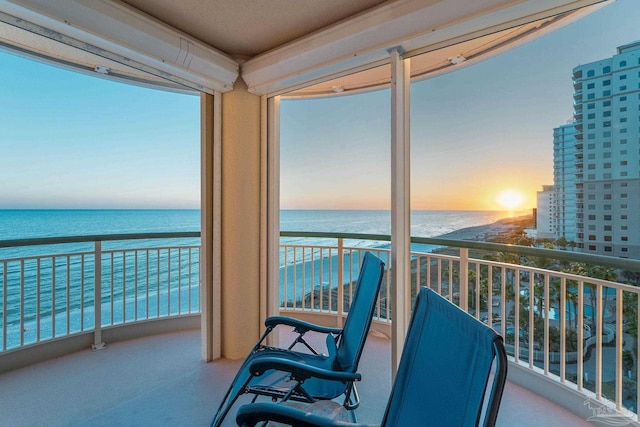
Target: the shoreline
pixel 491 232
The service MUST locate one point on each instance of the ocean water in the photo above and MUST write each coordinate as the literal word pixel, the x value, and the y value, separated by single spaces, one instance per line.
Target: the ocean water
pixel 119 302
pixel 25 224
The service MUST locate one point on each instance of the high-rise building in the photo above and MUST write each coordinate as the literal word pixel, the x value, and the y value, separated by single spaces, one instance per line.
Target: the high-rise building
pixel 545 224
pixel 607 153
pixel 564 214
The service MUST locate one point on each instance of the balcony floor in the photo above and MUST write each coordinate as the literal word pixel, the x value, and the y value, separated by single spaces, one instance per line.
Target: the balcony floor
pixel 161 380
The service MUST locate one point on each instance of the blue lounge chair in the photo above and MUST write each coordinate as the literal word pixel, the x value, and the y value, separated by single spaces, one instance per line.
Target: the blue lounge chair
pixel 443 378
pixel 286 374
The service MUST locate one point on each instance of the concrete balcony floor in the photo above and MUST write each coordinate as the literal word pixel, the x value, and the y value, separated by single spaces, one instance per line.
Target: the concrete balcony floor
pixel 160 380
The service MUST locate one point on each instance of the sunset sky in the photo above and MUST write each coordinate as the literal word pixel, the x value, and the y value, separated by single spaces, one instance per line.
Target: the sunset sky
pixel 68 140
pixel 475 132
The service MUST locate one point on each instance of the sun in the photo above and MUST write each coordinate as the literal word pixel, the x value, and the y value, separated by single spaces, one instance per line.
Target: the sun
pixel 510 199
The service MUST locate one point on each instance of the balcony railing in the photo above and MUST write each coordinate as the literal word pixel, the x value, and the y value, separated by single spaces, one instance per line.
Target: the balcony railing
pixel 577 330
pixel 70 285
pixel 559 322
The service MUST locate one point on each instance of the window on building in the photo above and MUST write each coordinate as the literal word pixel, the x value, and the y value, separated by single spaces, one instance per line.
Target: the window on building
pixel 591 197
pixel 591 176
pixel 592 227
pixel 623 152
pixel 607 228
pixel 592 247
pixel 623 141
pixel 606 69
pixel 591 136
pixel 592 217
pixel 623 130
pixel 623 98
pixel 607 196
pixel 623 77
pixel 607 165
pixel 591 207
pixel 623 163
pixel 606 104
pixel 607 134
pixel 607 207
pixel 591 73
pixel 607 217
pixel 607 238
pixel 623 87
pixel 591 106
pixel 591 126
pixel 606 93
pixel 606 175
pixel 623 63
pixel 624 249
pixel 606 155
pixel 607 186
pixel 623 206
pixel 591 96
pixel 606 124
pixel 623 119
pixel 591 167
pixel 624 238
pixel 606 82
pixel 606 114
pixel 607 249
pixel 622 216
pixel 592 237
pixel 591 116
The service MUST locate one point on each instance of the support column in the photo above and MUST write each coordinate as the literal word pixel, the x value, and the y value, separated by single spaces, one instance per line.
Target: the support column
pixel 271 192
pixel 210 207
pixel 400 206
pixel 241 229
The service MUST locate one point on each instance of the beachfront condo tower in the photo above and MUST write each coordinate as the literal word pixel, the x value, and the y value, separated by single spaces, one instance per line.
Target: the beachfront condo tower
pixel 565 203
pixel 545 224
pixel 607 154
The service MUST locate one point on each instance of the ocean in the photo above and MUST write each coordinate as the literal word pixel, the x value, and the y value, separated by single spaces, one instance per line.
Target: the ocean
pixel 25 224
pixel 28 224
pixel 161 281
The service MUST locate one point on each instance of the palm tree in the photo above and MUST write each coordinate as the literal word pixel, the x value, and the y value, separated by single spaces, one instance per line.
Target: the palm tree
pixel 595 272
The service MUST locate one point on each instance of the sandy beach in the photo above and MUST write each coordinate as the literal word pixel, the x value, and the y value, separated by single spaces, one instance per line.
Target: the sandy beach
pixel 489 232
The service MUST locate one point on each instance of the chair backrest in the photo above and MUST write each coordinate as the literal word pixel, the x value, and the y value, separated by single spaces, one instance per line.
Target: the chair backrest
pixel 358 321
pixel 445 368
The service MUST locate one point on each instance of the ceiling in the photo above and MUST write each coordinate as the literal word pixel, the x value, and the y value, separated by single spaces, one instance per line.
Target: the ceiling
pixel 246 28
pixel 300 48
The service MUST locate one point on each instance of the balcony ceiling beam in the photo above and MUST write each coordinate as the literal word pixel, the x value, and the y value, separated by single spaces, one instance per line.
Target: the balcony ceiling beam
pixel 414 26
pixel 121 34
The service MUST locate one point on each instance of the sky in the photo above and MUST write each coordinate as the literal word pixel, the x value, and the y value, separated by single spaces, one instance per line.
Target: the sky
pixel 69 140
pixel 475 133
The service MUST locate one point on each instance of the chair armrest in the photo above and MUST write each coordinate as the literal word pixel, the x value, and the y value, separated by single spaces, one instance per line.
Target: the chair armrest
pixel 250 415
pixel 301 371
pixel 299 325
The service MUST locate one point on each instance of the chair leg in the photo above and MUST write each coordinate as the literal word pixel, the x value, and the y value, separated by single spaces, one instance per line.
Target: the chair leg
pixel 237 388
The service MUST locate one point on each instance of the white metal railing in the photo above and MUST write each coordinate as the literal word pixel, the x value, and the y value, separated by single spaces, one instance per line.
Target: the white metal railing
pixel 88 283
pixel 574 329
pixel 584 332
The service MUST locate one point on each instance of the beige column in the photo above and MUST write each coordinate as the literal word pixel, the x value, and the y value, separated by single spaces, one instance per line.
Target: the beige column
pixel 240 313
pixel 210 207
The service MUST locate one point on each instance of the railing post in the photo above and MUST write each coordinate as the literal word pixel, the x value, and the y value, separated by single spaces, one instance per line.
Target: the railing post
pixel 340 308
pixel 464 279
pixel 97 297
